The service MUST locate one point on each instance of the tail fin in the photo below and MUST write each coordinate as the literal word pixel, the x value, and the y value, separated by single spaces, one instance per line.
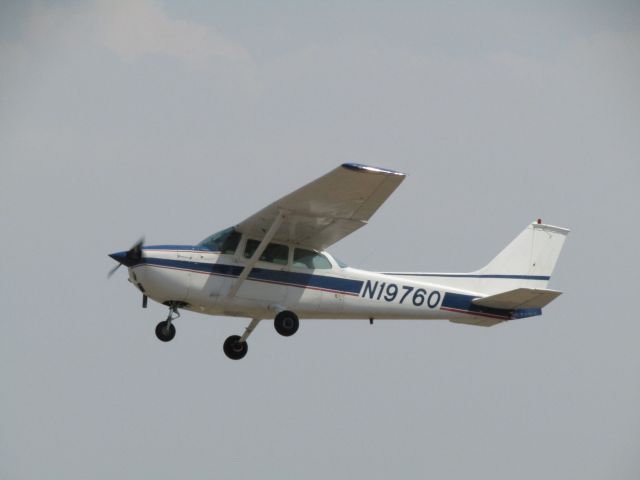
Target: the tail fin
pixel 528 261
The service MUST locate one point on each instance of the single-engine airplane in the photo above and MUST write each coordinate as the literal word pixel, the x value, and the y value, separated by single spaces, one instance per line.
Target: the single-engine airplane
pixel 274 265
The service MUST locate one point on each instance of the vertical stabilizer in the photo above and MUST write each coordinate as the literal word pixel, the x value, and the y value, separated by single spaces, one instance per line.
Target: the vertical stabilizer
pixel 527 262
pixel 531 256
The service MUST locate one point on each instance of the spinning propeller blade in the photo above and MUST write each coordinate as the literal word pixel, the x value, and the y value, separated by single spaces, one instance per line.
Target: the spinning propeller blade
pixel 113 270
pixel 131 257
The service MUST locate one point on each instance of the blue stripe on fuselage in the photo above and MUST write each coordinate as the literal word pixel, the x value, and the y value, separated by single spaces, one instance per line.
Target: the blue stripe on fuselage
pixel 210 268
pixel 342 285
pixel 295 279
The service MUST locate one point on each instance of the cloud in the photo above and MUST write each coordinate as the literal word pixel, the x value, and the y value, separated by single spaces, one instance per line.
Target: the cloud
pixel 133 29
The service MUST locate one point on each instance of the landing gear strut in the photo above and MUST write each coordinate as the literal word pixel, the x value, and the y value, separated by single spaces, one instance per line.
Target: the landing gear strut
pixel 165 330
pixel 235 347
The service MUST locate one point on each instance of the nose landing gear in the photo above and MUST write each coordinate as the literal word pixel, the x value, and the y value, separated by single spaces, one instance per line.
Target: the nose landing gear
pixel 165 330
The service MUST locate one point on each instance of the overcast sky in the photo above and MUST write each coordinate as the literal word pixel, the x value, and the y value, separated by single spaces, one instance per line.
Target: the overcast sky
pixel 177 119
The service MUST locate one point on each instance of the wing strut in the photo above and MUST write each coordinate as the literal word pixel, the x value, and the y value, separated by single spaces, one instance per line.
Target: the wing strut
pixel 256 255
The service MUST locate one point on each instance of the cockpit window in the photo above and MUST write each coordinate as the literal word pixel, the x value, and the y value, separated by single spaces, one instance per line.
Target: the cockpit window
pixel 274 252
pixel 309 259
pixel 225 241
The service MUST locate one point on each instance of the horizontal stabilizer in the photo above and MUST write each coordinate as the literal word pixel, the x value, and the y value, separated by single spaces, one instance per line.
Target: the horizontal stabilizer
pixel 518 298
pixel 477 321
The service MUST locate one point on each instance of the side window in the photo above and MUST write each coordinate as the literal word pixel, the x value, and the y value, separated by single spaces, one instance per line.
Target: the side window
pixel 250 247
pixel 310 259
pixel 274 253
pixel 230 243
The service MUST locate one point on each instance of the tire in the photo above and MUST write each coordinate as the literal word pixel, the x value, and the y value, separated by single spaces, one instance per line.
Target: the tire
pixel 286 323
pixel 164 334
pixel 234 348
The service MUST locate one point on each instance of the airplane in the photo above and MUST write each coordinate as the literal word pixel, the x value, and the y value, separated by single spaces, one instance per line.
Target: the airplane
pixel 274 265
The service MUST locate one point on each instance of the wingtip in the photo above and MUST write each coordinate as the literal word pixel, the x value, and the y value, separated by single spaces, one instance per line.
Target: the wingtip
pixel 545 226
pixel 368 168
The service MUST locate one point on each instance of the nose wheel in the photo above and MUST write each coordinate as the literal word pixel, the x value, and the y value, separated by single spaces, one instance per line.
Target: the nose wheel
pixel 166 330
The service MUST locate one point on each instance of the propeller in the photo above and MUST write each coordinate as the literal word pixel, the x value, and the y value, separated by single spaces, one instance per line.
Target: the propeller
pixel 131 257
pixel 113 270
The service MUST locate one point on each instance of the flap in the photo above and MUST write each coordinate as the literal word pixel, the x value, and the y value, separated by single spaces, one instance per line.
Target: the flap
pixel 519 298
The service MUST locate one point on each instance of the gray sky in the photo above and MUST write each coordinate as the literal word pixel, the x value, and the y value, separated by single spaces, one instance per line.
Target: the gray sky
pixel 175 120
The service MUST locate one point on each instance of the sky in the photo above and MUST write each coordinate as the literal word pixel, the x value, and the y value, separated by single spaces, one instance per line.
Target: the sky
pixel 174 120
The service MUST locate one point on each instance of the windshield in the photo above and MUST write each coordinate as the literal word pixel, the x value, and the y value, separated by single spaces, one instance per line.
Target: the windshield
pixel 225 241
pixel 340 263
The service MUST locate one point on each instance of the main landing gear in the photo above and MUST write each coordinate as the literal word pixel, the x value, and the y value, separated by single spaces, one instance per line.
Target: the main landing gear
pixel 235 347
pixel 166 330
pixel 286 324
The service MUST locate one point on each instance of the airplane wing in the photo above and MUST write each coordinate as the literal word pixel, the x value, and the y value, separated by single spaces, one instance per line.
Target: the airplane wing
pixel 327 209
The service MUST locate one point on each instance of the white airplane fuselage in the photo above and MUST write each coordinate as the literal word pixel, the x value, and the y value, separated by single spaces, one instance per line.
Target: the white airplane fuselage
pixel 200 280
pixel 272 265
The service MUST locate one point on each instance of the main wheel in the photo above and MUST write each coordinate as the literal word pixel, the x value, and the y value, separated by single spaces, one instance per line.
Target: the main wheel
pixel 234 348
pixel 165 332
pixel 286 323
